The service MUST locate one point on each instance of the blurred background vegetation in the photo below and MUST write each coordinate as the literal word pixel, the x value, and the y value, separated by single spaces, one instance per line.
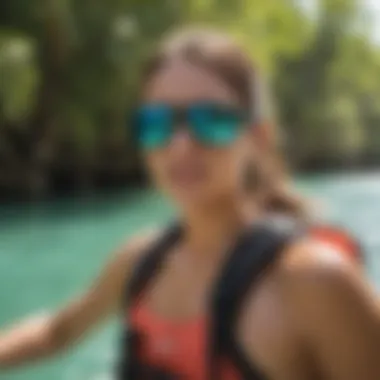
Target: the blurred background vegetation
pixel 69 72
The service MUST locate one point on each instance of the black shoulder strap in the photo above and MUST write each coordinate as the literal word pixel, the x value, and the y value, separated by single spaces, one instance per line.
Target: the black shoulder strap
pixel 255 252
pixel 151 261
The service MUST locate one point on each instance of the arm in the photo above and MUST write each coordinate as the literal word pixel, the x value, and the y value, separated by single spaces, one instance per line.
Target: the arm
pixel 338 316
pixel 47 335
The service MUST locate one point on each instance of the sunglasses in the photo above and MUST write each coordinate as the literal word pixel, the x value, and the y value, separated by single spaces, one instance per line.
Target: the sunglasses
pixel 210 124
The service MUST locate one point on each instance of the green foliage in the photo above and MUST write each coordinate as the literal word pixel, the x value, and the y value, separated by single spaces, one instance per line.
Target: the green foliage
pixel 19 76
pixel 70 74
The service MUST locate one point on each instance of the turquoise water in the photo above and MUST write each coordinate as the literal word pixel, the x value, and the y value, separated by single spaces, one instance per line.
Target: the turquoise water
pixel 50 252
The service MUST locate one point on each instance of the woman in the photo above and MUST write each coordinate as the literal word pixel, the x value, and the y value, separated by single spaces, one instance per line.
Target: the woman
pixel 310 315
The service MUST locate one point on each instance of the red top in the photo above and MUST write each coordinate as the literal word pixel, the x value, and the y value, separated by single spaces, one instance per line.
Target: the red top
pixel 179 348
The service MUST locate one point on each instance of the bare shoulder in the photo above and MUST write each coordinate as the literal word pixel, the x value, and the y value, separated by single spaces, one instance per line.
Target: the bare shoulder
pixel 315 297
pixel 320 284
pixel 305 269
pixel 312 263
pixel 334 309
pixel 111 281
pixel 129 253
pixel 106 291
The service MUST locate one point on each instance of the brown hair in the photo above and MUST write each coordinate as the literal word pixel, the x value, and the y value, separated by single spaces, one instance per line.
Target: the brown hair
pixel 224 57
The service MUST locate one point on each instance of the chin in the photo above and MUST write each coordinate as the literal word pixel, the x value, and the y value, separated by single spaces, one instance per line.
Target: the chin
pixel 191 200
pixel 197 194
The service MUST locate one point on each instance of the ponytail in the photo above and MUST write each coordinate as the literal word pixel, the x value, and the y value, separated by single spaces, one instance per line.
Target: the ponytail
pixel 271 179
pixel 268 180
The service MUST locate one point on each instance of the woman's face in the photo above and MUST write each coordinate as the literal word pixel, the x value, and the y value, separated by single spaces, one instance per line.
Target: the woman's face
pixel 193 173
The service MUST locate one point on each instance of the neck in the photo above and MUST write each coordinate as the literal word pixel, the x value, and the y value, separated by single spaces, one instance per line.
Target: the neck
pixel 209 231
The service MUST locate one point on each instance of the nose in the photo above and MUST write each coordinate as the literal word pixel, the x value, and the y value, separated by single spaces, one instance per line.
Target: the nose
pixel 182 140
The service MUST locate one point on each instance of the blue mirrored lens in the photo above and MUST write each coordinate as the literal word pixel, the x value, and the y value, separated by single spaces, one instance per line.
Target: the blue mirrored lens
pixel 154 125
pixel 214 125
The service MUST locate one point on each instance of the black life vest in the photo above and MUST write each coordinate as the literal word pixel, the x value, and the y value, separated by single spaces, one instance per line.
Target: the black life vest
pixel 255 251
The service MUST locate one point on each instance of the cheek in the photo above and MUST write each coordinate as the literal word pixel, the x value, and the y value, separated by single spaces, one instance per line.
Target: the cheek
pixel 155 164
pixel 227 166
